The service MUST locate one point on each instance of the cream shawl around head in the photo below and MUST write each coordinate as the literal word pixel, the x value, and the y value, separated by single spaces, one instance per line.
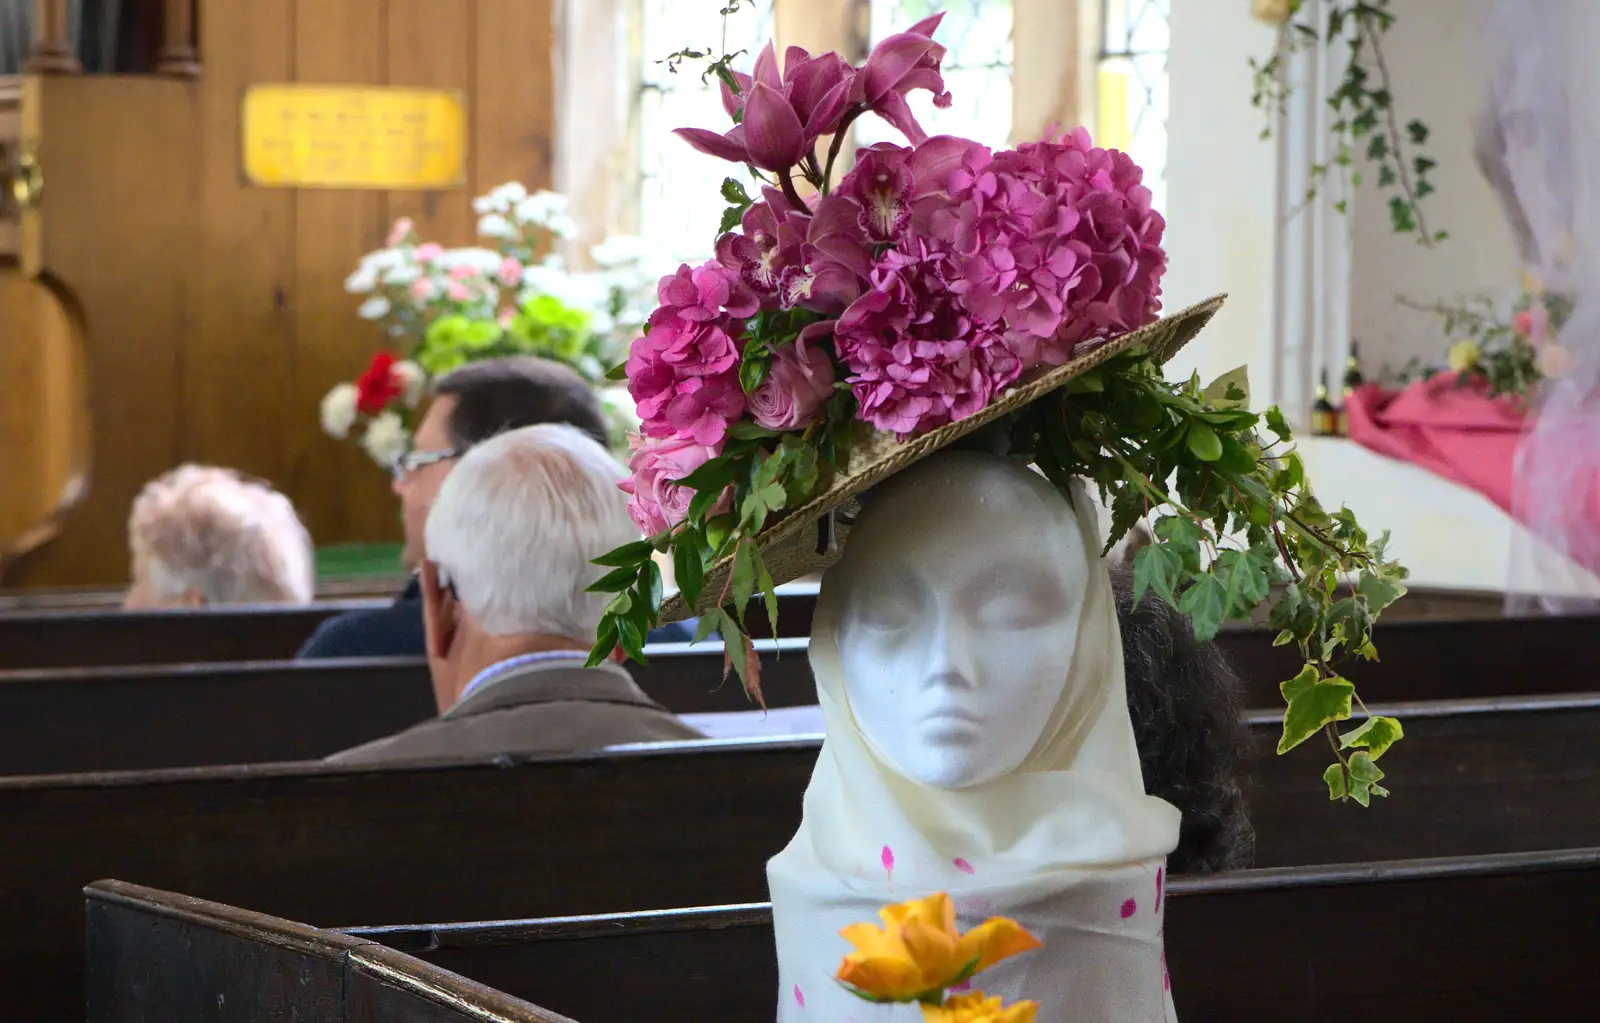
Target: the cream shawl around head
pixel 1069 844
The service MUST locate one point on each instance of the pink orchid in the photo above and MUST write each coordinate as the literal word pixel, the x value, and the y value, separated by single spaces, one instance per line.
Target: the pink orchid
pixel 767 243
pixel 899 64
pixel 780 116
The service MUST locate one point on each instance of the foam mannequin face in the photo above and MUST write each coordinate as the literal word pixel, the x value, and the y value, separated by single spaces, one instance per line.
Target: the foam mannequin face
pixel 960 593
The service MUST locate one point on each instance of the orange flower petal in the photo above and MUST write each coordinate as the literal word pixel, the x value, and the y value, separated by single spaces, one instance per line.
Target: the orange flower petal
pixel 996 939
pixel 976 1007
pixel 887 979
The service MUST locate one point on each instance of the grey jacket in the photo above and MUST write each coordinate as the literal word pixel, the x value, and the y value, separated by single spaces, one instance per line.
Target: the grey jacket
pixel 545 708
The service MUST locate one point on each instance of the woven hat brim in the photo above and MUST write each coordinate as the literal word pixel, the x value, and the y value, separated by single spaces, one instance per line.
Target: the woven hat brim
pixel 788 545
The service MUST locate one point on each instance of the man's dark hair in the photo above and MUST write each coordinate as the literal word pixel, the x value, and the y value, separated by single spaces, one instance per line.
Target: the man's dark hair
pixel 1188 721
pixel 497 395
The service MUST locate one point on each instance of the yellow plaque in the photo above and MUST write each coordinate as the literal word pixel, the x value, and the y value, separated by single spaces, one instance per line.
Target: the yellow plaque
pixel 314 136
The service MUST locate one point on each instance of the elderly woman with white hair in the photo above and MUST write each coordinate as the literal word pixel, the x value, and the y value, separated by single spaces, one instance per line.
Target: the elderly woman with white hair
pixel 202 535
pixel 509 620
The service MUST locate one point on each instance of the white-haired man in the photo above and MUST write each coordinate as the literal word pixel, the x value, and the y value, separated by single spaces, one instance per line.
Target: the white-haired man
pixel 510 540
pixel 201 535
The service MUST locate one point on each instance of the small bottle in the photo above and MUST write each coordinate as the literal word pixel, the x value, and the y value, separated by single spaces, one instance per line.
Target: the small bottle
pixel 1353 376
pixel 1324 417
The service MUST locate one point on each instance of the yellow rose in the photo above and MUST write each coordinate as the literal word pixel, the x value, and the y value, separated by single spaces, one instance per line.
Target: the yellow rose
pixel 918 952
pixel 1463 356
pixel 977 1008
pixel 1273 12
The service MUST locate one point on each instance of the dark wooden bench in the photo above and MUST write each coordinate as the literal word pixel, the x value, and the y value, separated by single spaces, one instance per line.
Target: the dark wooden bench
pixel 643 829
pixel 1464 939
pixel 192 715
pixel 157 957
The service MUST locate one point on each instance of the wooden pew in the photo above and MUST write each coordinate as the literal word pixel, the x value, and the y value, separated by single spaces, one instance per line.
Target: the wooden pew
pixel 157 956
pixel 650 828
pixel 138 718
pixel 1463 939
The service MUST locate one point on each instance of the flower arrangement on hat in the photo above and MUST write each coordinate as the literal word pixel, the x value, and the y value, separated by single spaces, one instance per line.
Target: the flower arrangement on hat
pixel 448 307
pixel 939 293
pixel 1505 349
pixel 918 956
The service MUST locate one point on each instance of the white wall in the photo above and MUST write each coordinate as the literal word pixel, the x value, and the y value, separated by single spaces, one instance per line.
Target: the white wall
pixel 1221 187
pixel 1435 52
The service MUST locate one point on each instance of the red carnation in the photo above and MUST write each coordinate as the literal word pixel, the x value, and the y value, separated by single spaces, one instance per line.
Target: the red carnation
pixel 378 386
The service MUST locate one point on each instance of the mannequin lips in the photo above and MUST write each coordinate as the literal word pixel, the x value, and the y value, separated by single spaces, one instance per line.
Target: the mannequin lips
pixel 950 717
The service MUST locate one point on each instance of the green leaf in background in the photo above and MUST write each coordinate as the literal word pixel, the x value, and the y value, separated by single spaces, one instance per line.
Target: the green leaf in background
pixel 1379 592
pixel 1375 735
pixel 733 190
pixel 632 638
pixel 1313 702
pixel 1278 424
pixel 618 372
pixel 1364 778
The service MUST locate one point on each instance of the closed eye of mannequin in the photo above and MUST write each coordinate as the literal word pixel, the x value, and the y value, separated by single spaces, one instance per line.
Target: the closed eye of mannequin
pixel 960 593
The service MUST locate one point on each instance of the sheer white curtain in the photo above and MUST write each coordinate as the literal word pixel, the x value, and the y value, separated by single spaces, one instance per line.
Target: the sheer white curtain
pixel 1540 146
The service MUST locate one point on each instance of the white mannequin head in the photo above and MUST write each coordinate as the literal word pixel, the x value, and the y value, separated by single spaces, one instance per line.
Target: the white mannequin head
pixel 958 601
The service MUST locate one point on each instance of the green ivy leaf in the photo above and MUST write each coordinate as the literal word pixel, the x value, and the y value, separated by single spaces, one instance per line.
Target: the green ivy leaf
pixel 615 581
pixel 1158 567
pixel 1313 702
pixel 733 190
pixel 1206 604
pixel 1364 778
pixel 1230 390
pixel 1379 592
pixel 627 554
pixel 1375 735
pixel 1203 442
pixel 1335 778
pixel 1236 458
pixel 1278 424
pixel 731 217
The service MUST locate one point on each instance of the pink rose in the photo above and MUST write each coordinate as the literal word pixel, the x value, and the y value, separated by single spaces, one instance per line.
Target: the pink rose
pixel 510 272
pixel 422 289
pixel 428 252
pixel 1533 323
pixel 657 502
pixel 458 292
pixel 800 380
pixel 462 272
pixel 399 232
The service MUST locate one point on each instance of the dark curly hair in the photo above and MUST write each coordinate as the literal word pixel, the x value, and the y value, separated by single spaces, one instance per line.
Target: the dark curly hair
pixel 1188 720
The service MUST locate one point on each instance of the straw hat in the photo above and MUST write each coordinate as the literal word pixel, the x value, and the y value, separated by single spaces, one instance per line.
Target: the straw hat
pixel 809 539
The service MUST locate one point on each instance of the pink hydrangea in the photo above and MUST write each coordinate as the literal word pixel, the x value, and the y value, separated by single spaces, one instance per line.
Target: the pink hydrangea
pixel 706 293
pixel 656 502
pixel 800 380
pixel 684 378
pixel 918 360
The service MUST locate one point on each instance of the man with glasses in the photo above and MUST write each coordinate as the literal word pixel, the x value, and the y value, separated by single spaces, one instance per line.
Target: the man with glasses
pixel 476 402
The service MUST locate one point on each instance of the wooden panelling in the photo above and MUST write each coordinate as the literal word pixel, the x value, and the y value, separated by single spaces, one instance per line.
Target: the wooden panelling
pixel 432 44
pixel 117 243
pixel 238 355
pixel 215 311
pixel 513 116
pixel 334 42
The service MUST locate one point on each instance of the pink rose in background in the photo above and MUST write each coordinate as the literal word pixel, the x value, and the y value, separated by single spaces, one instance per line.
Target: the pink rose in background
pixel 510 271
pixel 399 232
pixel 800 380
pixel 506 318
pixel 458 292
pixel 423 289
pixel 462 273
pixel 1533 323
pixel 657 502
pixel 427 252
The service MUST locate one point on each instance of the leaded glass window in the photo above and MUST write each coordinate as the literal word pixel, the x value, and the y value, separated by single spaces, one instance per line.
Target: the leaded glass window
pixel 1132 84
pixel 679 203
pixel 977 69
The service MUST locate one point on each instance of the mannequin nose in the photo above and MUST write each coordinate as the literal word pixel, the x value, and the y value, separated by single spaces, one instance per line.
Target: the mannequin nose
pixel 949 658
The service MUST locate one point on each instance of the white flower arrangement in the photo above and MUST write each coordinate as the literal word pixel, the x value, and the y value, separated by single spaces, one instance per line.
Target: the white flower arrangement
pixel 513 294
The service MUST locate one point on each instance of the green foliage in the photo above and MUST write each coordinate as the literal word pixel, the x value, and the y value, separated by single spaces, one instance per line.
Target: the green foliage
pixel 454 340
pixel 543 326
pixel 1505 362
pixel 1362 106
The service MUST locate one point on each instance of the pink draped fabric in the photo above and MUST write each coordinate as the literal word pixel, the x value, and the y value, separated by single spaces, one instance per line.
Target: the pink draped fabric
pixel 1457 432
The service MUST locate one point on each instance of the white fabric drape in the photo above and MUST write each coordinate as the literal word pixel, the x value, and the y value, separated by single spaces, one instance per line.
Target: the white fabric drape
pixel 1069 844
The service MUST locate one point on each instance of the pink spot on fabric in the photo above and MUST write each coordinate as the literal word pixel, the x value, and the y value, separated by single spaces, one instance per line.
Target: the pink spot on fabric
pixel 963 866
pixel 1129 908
pixel 1159 875
pixel 1166 981
pixel 887 859
pixel 799 996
